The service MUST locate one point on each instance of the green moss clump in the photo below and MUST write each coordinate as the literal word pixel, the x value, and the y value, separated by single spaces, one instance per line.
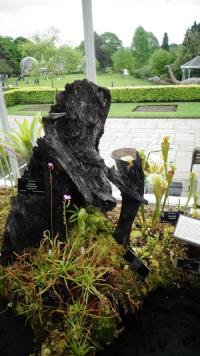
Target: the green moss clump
pixel 5 195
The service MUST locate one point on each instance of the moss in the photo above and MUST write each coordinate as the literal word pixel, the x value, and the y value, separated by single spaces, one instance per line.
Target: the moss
pixel 5 195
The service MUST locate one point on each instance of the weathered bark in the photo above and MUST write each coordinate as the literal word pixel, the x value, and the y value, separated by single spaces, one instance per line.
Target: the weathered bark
pixel 73 129
pixel 132 197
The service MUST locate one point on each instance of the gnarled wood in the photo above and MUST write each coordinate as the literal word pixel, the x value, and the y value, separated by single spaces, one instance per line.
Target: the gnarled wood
pixel 73 129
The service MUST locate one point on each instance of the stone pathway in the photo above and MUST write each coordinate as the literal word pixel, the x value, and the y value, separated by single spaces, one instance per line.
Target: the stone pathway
pixel 147 133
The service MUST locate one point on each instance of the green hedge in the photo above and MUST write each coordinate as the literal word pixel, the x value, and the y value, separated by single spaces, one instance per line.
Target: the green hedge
pixel 119 95
pixel 29 96
pixel 156 93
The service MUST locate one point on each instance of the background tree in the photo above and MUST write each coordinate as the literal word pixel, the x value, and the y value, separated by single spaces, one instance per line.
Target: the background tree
pixel 123 59
pixel 105 45
pixel 189 49
pixel 9 55
pixel 160 58
pixel 165 42
pixel 110 42
pixel 101 53
pixel 41 45
pixel 153 42
pixel 192 43
pixel 140 46
pixel 69 58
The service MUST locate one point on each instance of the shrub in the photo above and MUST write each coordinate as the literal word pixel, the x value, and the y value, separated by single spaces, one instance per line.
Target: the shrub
pixel 158 61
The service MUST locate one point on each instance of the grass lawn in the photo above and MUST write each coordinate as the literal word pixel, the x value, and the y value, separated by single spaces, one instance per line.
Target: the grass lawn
pixel 106 79
pixel 185 109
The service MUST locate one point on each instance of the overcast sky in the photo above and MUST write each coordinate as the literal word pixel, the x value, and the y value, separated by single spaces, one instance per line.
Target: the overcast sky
pixel 26 17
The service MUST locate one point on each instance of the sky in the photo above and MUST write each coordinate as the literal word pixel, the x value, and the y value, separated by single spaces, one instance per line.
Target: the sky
pixel 26 17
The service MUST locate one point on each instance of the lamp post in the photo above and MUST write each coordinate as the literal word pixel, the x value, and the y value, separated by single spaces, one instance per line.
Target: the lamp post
pixel 89 40
pixel 5 126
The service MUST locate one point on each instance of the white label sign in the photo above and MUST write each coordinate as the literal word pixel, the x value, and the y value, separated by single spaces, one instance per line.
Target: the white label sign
pixel 188 229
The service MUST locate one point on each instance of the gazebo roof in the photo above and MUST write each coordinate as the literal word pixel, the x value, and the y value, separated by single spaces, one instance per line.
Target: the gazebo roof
pixel 193 63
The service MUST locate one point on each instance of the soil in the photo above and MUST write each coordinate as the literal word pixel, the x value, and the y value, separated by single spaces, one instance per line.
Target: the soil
pixel 16 338
pixel 167 325
pixel 155 108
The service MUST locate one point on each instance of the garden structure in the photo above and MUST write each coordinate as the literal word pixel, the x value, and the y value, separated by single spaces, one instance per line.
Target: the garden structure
pixel 61 266
pixel 189 80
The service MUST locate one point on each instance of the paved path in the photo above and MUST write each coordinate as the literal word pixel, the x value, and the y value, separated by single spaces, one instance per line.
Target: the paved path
pixel 147 133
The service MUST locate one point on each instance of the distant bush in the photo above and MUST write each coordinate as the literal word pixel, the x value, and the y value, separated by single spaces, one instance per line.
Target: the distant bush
pixel 165 93
pixel 143 72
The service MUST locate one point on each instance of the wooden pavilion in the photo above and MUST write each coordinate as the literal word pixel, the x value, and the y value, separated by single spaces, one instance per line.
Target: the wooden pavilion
pixel 189 66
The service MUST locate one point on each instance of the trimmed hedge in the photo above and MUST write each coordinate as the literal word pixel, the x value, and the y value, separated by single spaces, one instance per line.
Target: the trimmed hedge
pixel 29 96
pixel 156 93
pixel 165 93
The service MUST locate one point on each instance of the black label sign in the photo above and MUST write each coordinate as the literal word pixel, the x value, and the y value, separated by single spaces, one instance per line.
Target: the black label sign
pixel 137 264
pixel 30 185
pixel 170 217
pixel 188 265
pixel 49 298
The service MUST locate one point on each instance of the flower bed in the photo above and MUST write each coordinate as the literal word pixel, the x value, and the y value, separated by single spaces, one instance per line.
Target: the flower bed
pixel 75 294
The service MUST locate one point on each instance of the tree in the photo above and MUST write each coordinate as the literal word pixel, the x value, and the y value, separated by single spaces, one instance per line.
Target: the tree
pixel 101 53
pixel 9 54
pixel 140 46
pixel 165 42
pixel 111 42
pixel 105 45
pixel 37 48
pixel 69 58
pixel 192 43
pixel 5 67
pixel 158 61
pixel 41 45
pixel 153 42
pixel 122 59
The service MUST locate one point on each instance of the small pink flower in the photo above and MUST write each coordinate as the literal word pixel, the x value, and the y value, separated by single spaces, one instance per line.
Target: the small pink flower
pixel 67 197
pixel 50 166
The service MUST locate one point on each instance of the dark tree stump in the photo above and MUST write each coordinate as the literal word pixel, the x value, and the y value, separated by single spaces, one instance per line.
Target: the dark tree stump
pixel 73 129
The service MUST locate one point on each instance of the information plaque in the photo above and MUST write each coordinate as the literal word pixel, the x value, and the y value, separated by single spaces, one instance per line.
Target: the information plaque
pixel 170 217
pixel 188 230
pixel 30 185
pixel 136 263
pixel 187 265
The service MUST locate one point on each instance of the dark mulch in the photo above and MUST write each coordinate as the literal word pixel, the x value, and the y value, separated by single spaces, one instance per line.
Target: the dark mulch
pixel 16 338
pixel 168 324
pixel 155 108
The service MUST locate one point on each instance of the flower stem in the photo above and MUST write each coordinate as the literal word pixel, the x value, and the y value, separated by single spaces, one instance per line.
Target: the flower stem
pixel 51 203
pixel 156 214
pixel 65 219
pixel 143 216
